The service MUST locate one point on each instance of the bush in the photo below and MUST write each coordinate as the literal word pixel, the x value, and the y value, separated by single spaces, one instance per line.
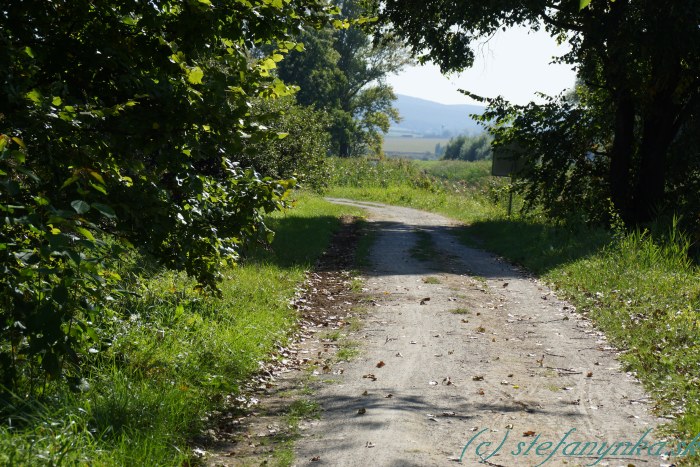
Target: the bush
pixel 297 147
pixel 468 148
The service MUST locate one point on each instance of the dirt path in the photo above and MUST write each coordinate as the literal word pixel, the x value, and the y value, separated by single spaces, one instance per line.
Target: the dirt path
pixel 461 346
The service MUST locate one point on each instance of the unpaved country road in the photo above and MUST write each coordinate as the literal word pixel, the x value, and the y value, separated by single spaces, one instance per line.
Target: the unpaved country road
pixel 492 356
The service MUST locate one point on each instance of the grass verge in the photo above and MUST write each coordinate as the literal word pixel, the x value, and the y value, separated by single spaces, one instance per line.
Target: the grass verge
pixel 173 357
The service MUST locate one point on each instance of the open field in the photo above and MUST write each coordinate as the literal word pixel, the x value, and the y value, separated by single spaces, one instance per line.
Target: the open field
pixel 412 146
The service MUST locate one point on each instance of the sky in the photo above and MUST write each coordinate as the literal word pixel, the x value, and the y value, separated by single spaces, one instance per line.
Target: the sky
pixel 514 64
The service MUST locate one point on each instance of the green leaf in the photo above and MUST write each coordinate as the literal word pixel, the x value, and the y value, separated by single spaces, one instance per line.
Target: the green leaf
pixel 56 101
pixel 97 176
pixel 20 142
pixel 583 4
pixel 80 206
pixel 86 233
pixel 28 50
pixel 70 181
pixel 99 188
pixel 34 95
pixel 105 210
pixel 195 75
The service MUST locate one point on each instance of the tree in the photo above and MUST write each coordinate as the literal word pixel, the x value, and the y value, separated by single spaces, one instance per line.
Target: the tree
pixel 468 148
pixel 122 122
pixel 297 146
pixel 640 56
pixel 341 71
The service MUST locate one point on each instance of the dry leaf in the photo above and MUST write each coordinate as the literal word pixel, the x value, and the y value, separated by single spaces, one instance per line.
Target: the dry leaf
pixel 529 433
pixel 477 378
pixel 361 411
pixel 589 374
pixel 381 364
pixel 423 301
pixel 388 396
pixel 370 376
pixel 315 458
pixel 365 393
pixel 480 392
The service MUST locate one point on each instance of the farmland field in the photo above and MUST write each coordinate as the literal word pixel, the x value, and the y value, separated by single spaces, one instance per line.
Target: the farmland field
pixel 412 146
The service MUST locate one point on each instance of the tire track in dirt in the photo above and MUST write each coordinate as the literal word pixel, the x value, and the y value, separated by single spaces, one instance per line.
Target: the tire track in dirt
pixel 492 356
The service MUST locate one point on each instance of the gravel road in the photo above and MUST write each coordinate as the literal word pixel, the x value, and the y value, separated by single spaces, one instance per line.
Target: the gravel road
pixel 464 356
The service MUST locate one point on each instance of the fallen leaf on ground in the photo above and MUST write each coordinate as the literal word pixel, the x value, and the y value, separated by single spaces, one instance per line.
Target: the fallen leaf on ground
pixel 315 458
pixel 388 396
pixel 370 376
pixel 480 392
pixel 477 378
pixel 365 393
pixel 589 374
pixel 361 411
pixel 381 364
pixel 423 301
pixel 529 433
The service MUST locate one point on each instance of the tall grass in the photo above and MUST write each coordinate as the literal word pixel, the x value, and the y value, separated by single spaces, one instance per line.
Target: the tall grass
pixel 173 357
pixel 401 182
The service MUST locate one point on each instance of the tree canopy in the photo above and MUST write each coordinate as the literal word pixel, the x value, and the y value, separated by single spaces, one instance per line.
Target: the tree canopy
pixel 342 72
pixel 121 123
pixel 638 59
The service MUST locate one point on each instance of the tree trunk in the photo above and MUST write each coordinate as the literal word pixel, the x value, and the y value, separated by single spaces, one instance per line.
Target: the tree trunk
pixel 621 155
pixel 661 122
pixel 657 135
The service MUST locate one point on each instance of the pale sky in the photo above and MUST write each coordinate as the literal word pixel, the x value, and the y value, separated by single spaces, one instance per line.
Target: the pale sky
pixel 513 64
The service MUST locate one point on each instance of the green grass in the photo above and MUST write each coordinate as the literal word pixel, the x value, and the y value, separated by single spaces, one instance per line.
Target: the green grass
pixel 642 291
pixel 473 174
pixel 173 356
pixel 460 311
pixel 403 183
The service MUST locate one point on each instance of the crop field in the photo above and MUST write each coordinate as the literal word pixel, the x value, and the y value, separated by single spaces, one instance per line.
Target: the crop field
pixel 406 146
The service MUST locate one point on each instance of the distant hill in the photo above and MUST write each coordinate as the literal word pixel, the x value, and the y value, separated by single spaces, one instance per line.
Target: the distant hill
pixel 423 118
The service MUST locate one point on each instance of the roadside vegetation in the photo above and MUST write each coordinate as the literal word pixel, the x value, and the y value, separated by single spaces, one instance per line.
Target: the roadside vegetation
pixel 641 287
pixel 173 355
